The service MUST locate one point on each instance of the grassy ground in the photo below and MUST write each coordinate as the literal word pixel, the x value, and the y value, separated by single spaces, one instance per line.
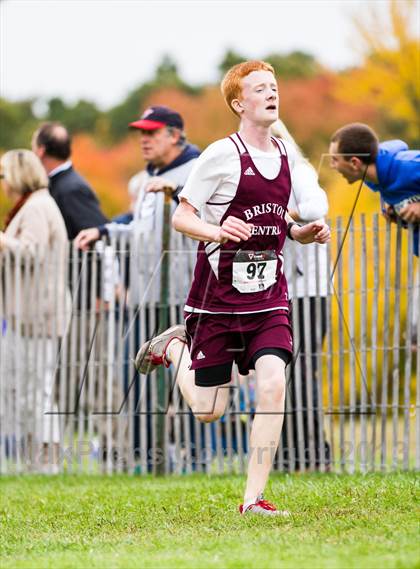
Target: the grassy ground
pixel 338 522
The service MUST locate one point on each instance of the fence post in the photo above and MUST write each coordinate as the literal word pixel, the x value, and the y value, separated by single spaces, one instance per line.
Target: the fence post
pixel 378 294
pixel 396 349
pixel 374 340
pixel 385 364
pixel 364 393
pixel 330 360
pixel 163 324
pixel 341 350
pixel 352 348
pixel 408 356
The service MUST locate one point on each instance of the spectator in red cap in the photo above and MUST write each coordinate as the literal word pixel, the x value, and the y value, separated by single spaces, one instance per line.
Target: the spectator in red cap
pixel 169 160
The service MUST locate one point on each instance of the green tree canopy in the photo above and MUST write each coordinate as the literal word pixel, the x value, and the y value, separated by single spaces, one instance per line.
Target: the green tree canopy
pixel 286 66
pixel 230 59
pixel 17 122
pixel 82 116
pixel 294 64
pixel 166 75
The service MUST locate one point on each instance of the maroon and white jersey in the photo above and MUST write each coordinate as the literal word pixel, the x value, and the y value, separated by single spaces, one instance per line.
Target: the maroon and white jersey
pixel 245 277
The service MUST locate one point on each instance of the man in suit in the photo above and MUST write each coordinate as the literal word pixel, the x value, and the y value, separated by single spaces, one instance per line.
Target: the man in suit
pixel 77 202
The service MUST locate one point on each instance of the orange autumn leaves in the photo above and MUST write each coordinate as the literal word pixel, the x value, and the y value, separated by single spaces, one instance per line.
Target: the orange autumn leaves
pixel 308 106
pixel 107 169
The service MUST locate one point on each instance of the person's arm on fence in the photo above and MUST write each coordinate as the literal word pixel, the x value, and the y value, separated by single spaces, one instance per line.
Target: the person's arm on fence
pixel 88 236
pixel 411 213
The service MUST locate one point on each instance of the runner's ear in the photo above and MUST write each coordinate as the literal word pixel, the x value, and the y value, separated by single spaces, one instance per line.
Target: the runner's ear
pixel 237 106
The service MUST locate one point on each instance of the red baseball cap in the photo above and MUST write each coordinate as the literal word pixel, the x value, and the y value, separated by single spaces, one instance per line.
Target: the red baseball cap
pixel 158 117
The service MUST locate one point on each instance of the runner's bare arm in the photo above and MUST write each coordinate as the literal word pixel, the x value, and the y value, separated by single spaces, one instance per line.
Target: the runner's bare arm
pixel 316 231
pixel 186 221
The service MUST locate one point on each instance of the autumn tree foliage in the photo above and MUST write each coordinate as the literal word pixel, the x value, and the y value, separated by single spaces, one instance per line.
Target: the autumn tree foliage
pixel 309 107
pixel 314 102
pixel 166 76
pixel 108 169
pixel 390 74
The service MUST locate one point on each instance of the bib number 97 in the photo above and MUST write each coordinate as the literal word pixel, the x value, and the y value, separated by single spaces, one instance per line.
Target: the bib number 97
pixel 254 271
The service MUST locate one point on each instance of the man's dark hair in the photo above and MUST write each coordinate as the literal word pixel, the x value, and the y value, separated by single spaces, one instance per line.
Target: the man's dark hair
pixel 55 139
pixel 357 139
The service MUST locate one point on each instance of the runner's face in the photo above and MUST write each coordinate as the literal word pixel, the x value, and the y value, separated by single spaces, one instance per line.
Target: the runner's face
pixel 260 102
pixel 156 144
pixel 349 168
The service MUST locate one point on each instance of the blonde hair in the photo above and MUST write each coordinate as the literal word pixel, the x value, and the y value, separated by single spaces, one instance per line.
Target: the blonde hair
pixel 23 172
pixel 231 85
pixel 279 130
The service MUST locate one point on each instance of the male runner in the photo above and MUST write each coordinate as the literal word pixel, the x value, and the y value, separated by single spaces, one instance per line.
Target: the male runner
pixel 237 308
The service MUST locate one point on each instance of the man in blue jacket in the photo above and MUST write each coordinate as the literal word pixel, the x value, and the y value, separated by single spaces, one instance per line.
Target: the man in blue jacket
pixel 389 168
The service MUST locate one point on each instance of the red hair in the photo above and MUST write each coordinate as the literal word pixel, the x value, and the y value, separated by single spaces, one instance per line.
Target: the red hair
pixel 231 84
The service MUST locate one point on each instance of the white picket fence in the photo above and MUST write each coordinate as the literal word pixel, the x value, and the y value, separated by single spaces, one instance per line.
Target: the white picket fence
pixel 76 404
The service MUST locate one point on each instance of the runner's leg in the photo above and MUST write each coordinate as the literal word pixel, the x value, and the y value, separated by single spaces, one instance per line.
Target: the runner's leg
pixel 267 424
pixel 207 403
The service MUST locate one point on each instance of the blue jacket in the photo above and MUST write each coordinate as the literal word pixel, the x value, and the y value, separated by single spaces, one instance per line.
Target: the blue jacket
pixel 398 171
pixel 190 151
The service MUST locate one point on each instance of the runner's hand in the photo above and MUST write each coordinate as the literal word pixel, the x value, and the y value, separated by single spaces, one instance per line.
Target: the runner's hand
pixel 86 237
pixel 316 231
pixel 233 229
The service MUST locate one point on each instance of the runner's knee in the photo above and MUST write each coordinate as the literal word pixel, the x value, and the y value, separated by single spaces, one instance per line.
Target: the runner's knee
pixel 271 389
pixel 209 417
pixel 210 404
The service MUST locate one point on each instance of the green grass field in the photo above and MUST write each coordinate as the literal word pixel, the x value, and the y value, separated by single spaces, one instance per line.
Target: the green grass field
pixel 338 521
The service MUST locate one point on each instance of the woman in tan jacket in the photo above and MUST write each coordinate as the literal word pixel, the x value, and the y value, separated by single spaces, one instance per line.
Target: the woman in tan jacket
pixel 34 304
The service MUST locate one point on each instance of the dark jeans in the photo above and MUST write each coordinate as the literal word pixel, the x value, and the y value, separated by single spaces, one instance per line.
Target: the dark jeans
pixel 308 376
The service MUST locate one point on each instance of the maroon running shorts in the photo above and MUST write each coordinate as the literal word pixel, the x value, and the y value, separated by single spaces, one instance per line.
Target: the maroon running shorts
pixel 215 341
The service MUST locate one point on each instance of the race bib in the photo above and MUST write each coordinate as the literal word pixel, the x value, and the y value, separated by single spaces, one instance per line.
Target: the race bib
pixel 254 271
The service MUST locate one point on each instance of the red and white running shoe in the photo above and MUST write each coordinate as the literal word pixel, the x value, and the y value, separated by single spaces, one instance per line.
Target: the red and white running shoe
pixel 152 353
pixel 262 508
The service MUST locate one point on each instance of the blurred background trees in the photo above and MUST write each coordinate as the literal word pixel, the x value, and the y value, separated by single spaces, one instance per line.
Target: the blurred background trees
pixel 383 91
pixel 390 73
